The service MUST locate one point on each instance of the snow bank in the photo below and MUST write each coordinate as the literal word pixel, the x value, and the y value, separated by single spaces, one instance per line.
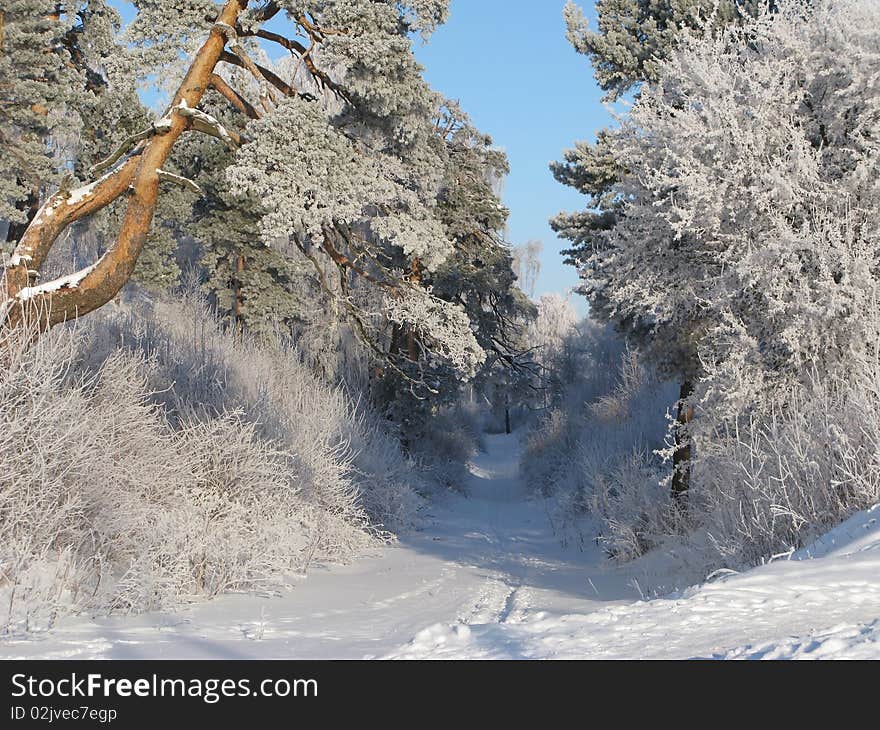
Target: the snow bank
pixel 823 603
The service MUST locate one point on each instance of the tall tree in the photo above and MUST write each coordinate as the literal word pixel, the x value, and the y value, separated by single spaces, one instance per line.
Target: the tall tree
pixel 333 173
pixel 633 40
pixel 478 276
pixel 47 59
pixel 747 182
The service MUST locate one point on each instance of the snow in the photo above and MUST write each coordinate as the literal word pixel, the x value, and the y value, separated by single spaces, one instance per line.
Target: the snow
pixel 487 579
pixel 70 281
pixel 206 119
pixel 80 194
pixel 17 260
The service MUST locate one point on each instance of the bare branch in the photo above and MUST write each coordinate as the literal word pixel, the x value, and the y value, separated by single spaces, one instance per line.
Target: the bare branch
pixel 160 127
pixel 238 50
pixel 179 180
pixel 265 73
pixel 298 49
pixel 233 97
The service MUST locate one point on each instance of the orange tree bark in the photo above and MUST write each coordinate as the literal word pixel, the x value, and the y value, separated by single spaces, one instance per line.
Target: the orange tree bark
pixel 97 285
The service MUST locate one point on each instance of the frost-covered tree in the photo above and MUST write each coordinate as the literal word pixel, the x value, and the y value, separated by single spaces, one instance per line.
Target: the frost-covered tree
pixel 27 32
pixel 633 40
pixel 549 336
pixel 527 265
pixel 635 36
pixel 555 321
pixel 344 175
pixel 255 287
pixel 478 276
pixel 69 100
pixel 746 236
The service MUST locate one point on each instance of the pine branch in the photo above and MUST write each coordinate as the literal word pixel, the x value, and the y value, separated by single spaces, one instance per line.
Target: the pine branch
pixel 160 127
pixel 205 123
pixel 179 180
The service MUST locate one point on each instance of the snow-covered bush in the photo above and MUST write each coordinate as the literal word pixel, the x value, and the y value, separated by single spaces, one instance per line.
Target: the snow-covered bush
pixel 765 479
pixel 797 462
pixel 148 459
pixel 592 451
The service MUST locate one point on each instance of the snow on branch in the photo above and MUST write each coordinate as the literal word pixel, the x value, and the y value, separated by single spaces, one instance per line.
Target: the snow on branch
pixel 17 260
pixel 71 281
pixel 179 180
pixel 160 127
pixel 207 124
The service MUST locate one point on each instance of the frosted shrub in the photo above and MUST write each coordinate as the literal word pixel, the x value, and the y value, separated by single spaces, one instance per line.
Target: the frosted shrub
pixel 389 486
pixel 334 437
pixel 797 463
pixel 147 459
pixel 592 453
pixel 628 494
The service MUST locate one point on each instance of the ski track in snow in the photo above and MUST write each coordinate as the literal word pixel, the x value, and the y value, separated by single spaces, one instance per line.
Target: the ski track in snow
pixel 487 579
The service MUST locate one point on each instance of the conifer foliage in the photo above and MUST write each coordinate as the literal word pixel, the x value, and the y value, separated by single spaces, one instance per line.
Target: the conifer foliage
pixel 732 235
pixel 335 162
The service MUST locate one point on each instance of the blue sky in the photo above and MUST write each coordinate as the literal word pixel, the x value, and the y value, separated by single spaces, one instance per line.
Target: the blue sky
pixel 509 64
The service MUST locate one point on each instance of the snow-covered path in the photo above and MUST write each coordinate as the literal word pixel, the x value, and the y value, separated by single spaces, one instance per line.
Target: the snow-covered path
pixel 490 558
pixel 487 578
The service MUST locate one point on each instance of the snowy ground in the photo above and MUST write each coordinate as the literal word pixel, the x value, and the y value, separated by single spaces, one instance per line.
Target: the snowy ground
pixel 488 579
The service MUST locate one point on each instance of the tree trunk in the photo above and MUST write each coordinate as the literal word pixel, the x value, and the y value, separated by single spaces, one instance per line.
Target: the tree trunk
pixel 90 288
pixel 507 419
pixel 412 344
pixel 237 298
pixel 681 456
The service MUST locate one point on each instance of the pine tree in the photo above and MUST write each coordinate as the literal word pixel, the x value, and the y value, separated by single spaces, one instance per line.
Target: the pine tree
pixel 46 80
pixel 635 36
pixel 633 40
pixel 345 176
pixel 478 277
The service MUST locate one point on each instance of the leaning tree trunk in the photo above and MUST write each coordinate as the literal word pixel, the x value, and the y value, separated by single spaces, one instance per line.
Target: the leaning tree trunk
pixel 138 177
pixel 682 454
